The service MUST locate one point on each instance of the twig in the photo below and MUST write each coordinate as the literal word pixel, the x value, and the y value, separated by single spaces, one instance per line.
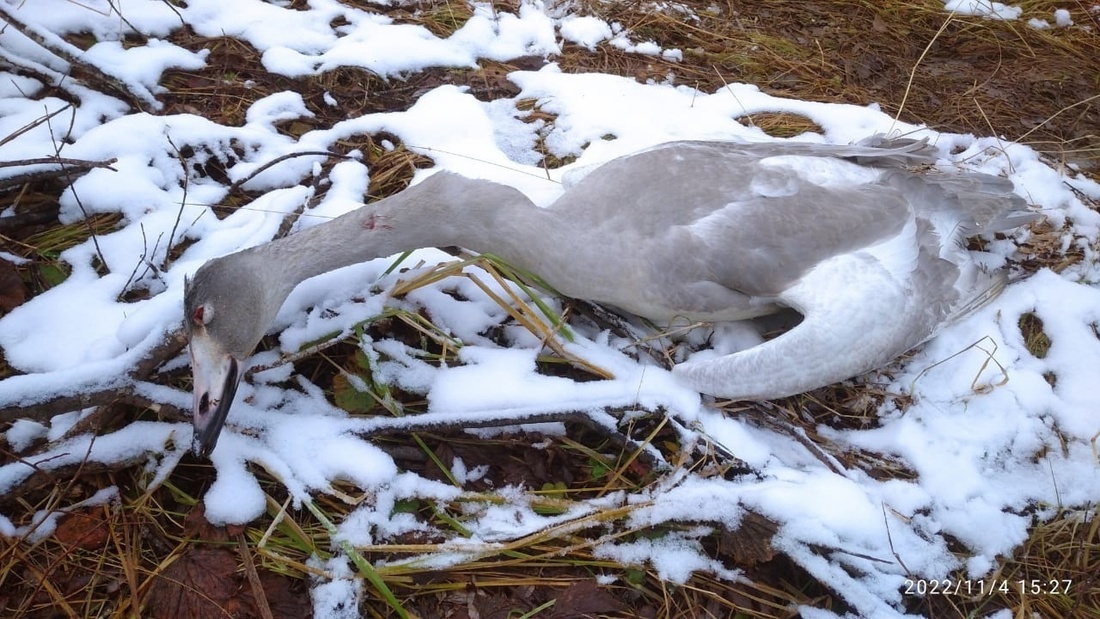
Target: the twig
pixel 296 215
pixel 15 64
pixel 253 578
pixel 172 7
pixel 120 394
pixel 260 170
pixel 183 202
pixel 890 539
pixel 47 215
pixel 77 163
pixel 916 65
pixel 58 404
pixel 173 342
pixel 142 260
pixel 123 19
pixel 69 180
pixel 89 424
pixel 79 168
pixel 34 123
pixel 766 414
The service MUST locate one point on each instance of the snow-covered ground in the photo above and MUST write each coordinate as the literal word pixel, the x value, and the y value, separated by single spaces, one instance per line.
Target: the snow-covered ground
pixel 993 445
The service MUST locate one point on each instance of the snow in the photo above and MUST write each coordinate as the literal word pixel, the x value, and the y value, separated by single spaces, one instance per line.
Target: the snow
pixel 983 8
pixel 585 30
pixel 23 433
pixel 144 65
pixel 336 597
pixel 988 439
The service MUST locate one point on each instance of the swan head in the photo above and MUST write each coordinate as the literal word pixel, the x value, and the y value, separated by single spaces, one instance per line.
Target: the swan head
pixel 226 316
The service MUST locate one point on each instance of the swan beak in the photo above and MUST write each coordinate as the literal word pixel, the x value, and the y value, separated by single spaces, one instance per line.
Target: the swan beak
pixel 215 377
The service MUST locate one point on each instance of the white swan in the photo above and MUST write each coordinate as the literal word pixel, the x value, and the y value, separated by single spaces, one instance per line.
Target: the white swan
pixel 869 250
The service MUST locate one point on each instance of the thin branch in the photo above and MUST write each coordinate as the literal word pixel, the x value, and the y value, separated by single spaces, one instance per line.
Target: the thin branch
pixel 143 259
pixel 169 347
pixel 37 217
pixel 76 169
pixel 76 163
pixel 70 180
pixel 123 19
pixel 34 123
pixel 183 202
pixel 253 578
pixel 260 170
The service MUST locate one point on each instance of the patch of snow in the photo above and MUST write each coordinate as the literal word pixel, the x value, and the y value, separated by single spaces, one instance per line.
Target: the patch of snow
pixel 983 8
pixel 585 30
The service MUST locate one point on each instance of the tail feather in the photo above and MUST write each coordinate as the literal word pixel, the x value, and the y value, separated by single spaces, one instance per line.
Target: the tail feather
pixel 988 202
pixel 975 203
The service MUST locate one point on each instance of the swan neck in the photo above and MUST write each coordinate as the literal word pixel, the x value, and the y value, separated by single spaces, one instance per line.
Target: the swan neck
pixel 443 210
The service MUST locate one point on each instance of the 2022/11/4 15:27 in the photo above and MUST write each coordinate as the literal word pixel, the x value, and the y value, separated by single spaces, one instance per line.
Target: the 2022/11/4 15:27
pixel 980 587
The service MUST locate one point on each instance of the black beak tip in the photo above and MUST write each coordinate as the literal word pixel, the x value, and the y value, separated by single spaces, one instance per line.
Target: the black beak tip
pixel 203 444
pixel 206 437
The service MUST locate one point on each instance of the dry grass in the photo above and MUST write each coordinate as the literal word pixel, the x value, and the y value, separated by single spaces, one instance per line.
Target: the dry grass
pixel 955 74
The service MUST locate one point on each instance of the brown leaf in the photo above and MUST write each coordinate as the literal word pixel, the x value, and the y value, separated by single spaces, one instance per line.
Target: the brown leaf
pixel 286 597
pixel 586 599
pixel 85 529
pixel 196 526
pixel 201 584
pixel 12 291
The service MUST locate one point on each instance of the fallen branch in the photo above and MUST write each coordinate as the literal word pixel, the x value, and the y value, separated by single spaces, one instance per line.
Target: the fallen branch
pixel 439 422
pixel 113 390
pixel 77 163
pixel 68 169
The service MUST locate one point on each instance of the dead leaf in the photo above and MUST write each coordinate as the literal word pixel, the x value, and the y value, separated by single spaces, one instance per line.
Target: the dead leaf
pixel 196 526
pixel 84 529
pixel 201 584
pixel 586 599
pixel 286 597
pixel 12 292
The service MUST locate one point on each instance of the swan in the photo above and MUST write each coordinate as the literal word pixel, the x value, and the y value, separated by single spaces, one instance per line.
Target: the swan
pixel 865 241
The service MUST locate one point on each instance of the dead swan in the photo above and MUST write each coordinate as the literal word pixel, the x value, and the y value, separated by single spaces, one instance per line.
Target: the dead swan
pixel 870 252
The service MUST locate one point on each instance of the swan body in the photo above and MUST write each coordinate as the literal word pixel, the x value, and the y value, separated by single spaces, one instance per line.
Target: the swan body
pixel 869 249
